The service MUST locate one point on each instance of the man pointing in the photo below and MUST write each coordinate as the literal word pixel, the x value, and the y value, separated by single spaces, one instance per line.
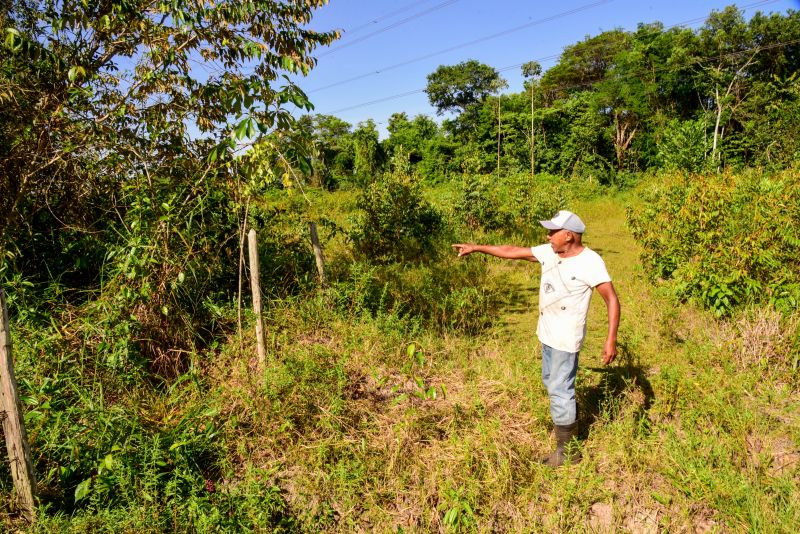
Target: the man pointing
pixel 570 271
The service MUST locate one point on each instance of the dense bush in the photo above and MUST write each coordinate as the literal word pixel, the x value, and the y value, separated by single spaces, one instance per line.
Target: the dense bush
pixel 535 198
pixel 724 240
pixel 685 146
pixel 513 203
pixel 450 295
pixel 480 204
pixel 395 221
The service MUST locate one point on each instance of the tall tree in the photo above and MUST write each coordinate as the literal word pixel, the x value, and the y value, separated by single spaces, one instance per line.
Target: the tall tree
pixel 118 128
pixel 532 71
pixel 116 83
pixel 585 63
pixel 333 145
pixel 367 150
pixel 456 87
pixel 498 86
pixel 728 49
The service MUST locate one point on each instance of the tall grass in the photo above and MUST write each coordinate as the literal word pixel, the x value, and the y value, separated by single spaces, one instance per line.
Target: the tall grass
pixel 406 398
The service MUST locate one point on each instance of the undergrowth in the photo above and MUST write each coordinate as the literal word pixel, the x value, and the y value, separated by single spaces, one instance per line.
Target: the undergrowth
pixel 405 397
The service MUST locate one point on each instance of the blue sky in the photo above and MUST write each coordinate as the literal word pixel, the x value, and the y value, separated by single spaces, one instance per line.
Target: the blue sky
pixel 388 47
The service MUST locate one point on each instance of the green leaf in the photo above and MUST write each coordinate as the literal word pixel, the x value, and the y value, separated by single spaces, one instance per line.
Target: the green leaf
pixel 108 462
pixel 13 39
pixel 240 130
pixel 76 72
pixel 251 128
pixel 411 350
pixel 83 490
pixel 304 163
pixel 288 64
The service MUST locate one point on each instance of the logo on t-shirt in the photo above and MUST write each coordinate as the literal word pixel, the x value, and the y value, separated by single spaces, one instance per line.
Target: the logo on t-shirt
pixel 548 287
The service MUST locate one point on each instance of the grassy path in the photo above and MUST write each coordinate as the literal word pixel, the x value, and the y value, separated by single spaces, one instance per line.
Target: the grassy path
pixel 677 438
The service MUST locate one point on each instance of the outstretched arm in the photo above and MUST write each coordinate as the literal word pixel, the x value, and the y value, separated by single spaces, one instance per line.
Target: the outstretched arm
pixel 609 295
pixel 508 252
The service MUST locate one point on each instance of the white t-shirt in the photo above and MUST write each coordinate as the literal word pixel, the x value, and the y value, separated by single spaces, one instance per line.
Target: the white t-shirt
pixel 564 295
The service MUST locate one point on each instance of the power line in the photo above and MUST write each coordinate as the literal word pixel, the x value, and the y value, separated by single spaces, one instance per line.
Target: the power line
pixel 463 45
pixel 755 49
pixel 376 101
pixel 382 70
pixel 390 27
pixel 685 23
pixel 386 16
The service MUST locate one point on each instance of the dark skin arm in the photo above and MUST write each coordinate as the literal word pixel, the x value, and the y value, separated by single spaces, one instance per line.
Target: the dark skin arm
pixel 508 252
pixel 609 295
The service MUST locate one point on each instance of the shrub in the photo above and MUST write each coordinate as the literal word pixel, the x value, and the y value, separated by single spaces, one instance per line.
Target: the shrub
pixel 451 295
pixel 480 204
pixel 724 240
pixel 513 203
pixel 396 223
pixel 684 146
pixel 536 198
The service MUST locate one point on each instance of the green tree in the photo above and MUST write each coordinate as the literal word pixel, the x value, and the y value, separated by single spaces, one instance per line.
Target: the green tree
pixel 113 83
pixel 413 135
pixel 366 150
pixel 456 87
pixel 332 147
pixel 101 160
pixel 585 63
pixel 727 42
pixel 532 71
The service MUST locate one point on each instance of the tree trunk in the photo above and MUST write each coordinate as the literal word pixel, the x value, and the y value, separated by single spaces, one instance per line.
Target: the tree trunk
pixel 716 124
pixel 498 134
pixel 532 136
pixel 623 136
pixel 318 254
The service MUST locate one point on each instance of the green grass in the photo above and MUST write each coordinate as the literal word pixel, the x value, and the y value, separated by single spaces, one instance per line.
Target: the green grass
pixel 346 429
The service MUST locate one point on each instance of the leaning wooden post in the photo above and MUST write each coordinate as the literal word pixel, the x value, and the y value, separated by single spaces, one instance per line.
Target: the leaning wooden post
pixel 19 452
pixel 312 226
pixel 255 287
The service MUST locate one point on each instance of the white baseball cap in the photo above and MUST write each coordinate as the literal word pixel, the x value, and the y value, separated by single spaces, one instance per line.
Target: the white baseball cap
pixel 565 220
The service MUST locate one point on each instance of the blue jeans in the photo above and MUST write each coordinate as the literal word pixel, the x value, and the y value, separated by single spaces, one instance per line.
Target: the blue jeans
pixel 558 376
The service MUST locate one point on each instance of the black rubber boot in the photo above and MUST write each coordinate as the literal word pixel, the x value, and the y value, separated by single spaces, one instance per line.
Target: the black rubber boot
pixel 564 435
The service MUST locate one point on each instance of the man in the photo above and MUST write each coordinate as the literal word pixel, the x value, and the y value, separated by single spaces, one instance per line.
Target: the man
pixel 570 271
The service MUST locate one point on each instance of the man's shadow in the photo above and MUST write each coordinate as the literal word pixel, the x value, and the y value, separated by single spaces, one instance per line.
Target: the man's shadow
pixel 605 399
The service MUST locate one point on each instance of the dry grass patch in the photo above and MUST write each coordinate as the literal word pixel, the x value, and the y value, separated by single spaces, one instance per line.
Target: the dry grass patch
pixel 760 337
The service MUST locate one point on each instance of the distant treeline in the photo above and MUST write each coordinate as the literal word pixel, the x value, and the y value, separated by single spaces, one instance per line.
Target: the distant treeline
pixel 725 95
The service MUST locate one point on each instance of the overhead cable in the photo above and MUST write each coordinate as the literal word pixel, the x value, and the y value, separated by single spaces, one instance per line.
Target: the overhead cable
pixel 387 28
pixel 382 70
pixel 469 43
pixel 351 31
pixel 754 49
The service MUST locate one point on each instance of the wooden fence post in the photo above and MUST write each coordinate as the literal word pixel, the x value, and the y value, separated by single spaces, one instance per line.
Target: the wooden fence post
pixel 255 287
pixel 19 453
pixel 318 254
